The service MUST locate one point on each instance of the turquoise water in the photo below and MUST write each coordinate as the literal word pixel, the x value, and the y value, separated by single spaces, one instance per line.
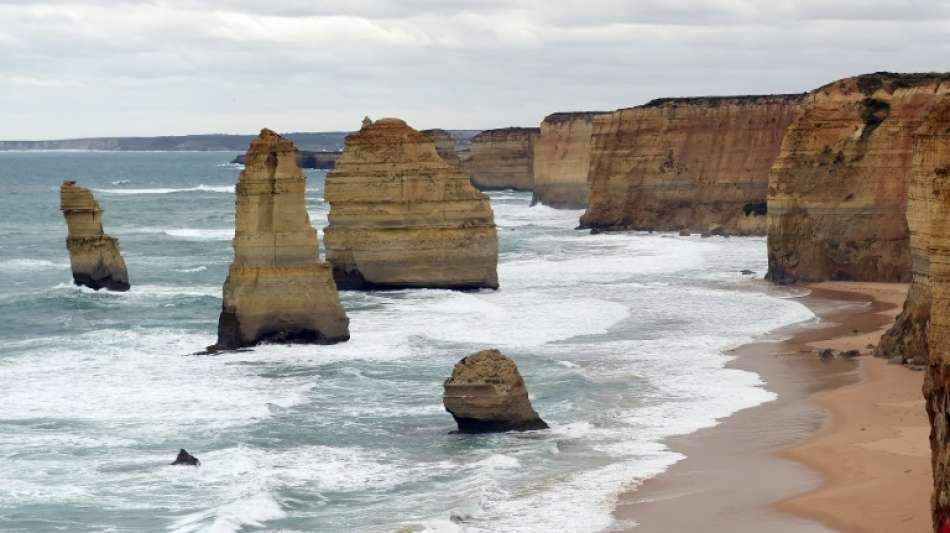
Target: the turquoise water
pixel 619 338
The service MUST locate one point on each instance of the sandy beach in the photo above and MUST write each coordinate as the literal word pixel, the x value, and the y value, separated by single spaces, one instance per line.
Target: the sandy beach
pixel 843 447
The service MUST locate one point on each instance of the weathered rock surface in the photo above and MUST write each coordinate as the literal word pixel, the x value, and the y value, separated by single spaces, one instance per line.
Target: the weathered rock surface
pixel 699 164
pixel 277 289
pixel 486 394
pixel 838 190
pixel 93 255
pixel 400 216
pixel 185 458
pixel 306 159
pixel 562 160
pixel 503 159
pixel 445 146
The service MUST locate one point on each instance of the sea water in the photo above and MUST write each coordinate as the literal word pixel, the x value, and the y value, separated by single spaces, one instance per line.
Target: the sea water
pixel 620 339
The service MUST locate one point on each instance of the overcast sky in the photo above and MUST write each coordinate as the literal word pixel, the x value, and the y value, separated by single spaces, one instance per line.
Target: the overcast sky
pixel 107 68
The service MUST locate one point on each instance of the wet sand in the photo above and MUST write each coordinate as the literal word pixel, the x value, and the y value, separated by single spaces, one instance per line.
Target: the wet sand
pixel 744 474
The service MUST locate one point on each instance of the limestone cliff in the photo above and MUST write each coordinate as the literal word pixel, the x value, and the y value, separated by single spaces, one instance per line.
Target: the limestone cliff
pixel 400 216
pixel 445 146
pixel 698 164
pixel 838 190
pixel 93 255
pixel 503 159
pixel 306 159
pixel 562 160
pixel 277 289
pixel 487 394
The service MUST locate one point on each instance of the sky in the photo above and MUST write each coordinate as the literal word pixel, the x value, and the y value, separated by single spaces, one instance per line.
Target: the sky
pixel 168 67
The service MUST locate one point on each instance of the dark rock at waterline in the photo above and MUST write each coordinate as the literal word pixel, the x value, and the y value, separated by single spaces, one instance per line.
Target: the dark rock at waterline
pixel 747 272
pixel 185 458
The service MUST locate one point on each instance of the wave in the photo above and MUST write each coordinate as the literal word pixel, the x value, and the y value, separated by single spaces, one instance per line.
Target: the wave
pixel 197 234
pixel 121 182
pixel 201 268
pixel 17 265
pixel 169 190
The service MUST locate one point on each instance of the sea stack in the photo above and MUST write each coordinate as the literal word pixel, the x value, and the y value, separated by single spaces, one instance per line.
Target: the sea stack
pixel 697 164
pixel 401 217
pixel 487 394
pixel 562 160
pixel 503 159
pixel 838 190
pixel 445 146
pixel 94 256
pixel 277 289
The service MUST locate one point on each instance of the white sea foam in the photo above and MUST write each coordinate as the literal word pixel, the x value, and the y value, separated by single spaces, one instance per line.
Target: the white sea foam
pixel 19 265
pixel 199 234
pixel 201 268
pixel 169 190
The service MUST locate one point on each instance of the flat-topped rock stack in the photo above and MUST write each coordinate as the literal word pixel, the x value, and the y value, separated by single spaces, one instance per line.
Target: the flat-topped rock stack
pixel 487 394
pixel 277 289
pixel 503 159
pixel 94 256
pixel 687 164
pixel 562 160
pixel 401 217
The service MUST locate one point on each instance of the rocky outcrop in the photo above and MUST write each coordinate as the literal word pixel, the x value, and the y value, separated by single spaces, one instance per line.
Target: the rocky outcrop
pixel 562 160
pixel 277 289
pixel 486 394
pixel 838 191
pixel 400 216
pixel 445 146
pixel 185 458
pixel 697 164
pixel 503 159
pixel 94 256
pixel 306 159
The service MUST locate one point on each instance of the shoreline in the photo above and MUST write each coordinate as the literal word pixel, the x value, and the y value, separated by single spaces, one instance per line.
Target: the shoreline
pixel 760 469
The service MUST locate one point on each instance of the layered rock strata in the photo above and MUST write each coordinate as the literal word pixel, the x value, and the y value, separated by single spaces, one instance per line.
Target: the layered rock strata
pixel 277 289
pixel 400 216
pixel 487 394
pixel 93 255
pixel 697 164
pixel 838 190
pixel 503 159
pixel 562 156
pixel 445 146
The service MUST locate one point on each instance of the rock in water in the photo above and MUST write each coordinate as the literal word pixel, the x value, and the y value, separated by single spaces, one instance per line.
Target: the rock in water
pixel 277 289
pixel 503 159
pixel 486 394
pixel 400 216
pixel 562 160
pixel 185 458
pixel 95 258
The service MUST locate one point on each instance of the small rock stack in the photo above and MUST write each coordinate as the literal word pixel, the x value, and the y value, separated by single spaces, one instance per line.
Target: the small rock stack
pixel 94 256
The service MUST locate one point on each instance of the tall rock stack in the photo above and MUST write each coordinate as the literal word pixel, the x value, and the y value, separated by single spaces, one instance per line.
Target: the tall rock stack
pixel 838 191
pixel 445 146
pixel 697 164
pixel 503 159
pixel 94 256
pixel 277 289
pixel 400 216
pixel 562 160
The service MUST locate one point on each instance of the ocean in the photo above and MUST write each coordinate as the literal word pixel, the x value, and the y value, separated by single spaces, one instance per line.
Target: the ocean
pixel 621 340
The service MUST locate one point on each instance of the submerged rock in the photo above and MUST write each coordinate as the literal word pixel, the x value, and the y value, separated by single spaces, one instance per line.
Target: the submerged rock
pixel 277 289
pixel 94 256
pixel 185 458
pixel 487 394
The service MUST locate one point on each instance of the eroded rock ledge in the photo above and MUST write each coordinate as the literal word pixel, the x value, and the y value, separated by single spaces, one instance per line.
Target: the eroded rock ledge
pixel 503 159
pixel 93 255
pixel 400 216
pixel 277 289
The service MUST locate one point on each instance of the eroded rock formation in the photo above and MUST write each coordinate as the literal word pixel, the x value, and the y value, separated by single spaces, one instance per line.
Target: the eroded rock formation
pixel 503 159
pixel 400 216
pixel 698 164
pixel 93 255
pixel 277 289
pixel 486 394
pixel 838 190
pixel 562 160
pixel 306 159
pixel 445 146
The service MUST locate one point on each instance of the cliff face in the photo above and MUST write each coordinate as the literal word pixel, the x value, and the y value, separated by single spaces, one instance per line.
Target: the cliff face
pixel 93 255
pixel 562 160
pixel 305 159
pixel 445 146
pixel 400 216
pixel 934 146
pixel 698 164
pixel 277 289
pixel 838 191
pixel 503 159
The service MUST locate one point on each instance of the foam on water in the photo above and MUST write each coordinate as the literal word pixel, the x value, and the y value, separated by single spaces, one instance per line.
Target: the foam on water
pixel 169 190
pixel 195 234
